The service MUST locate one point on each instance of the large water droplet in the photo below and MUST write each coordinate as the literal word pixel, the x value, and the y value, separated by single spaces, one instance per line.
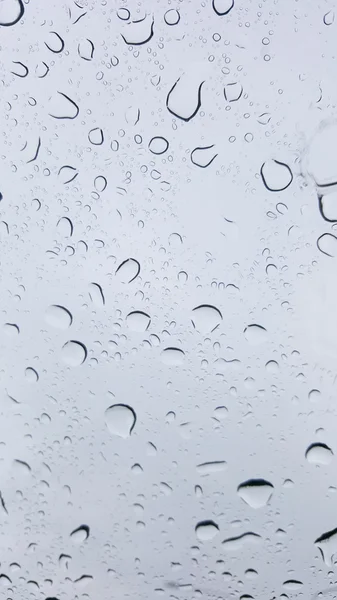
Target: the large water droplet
pixel 128 270
pixel 203 156
pixel 327 543
pixel 255 334
pixel 208 468
pixel 138 33
pixel 172 356
pixel 206 530
pixel 233 91
pixel 32 375
pixel 276 175
pixel 96 294
pixel 21 467
pixel 206 318
pixel 236 543
pixel 184 98
pixel 74 353
pixel 138 321
pixel 80 535
pixel 255 492
pixel 11 11
pixel 59 317
pixel 158 145
pixel 120 420
pixel 292 585
pixel 319 454
pixel 172 17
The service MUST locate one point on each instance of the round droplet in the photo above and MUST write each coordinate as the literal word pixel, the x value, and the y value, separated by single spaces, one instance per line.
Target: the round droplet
pixel 233 91
pixel 206 530
pixel 221 412
pixel 123 14
pixel 158 145
pixel 319 454
pixel 172 17
pixel 128 270
pixel 74 353
pixel 96 136
pixel 327 244
pixel 80 535
pixel 329 17
pixel 272 366
pixel 182 276
pixel 328 206
pixel 172 356
pixel 276 175
pixel 58 316
pixel 255 334
pixel 11 11
pixel 138 321
pixel 222 7
pixel 31 375
pixel 120 420
pixel 255 492
pixel 100 183
pixel 206 318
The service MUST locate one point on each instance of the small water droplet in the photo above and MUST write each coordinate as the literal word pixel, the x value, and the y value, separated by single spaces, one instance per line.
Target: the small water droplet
pixel 208 468
pixel 120 420
pixel 158 145
pixel 327 244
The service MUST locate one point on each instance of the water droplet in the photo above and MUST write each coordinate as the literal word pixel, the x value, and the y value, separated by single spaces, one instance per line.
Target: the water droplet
pixel 11 11
pixel 203 156
pixel 319 454
pixel 184 99
pixel 96 294
pixel 327 244
pixel 172 356
pixel 272 366
pixel 138 321
pixel 221 412
pixel 86 50
pixel 137 469
pixel 251 574
pixel 128 270
pixel 172 17
pixel 237 543
pixel 276 175
pixel 96 136
pixel 74 353
pixel 80 535
pixel 63 107
pixel 328 206
pixel 233 91
pixel 120 420
pixel 123 14
pixel 100 183
pixel 11 329
pixel 31 375
pixel 58 316
pixel 222 7
pixel 182 276
pixel 83 581
pixel 208 468
pixel 292 585
pixel 255 334
pixel 206 318
pixel 327 543
pixel 255 492
pixel 158 145
pixel 329 17
pixel 314 395
pixel 65 227
pixel 139 32
pixel 21 467
pixel 206 530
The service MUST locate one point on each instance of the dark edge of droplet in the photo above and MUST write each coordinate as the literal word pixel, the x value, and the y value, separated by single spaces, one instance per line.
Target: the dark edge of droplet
pixel 186 119
pixel 158 137
pixel 320 249
pixel 22 10
pixel 320 207
pixel 172 24
pixel 140 43
pixel 17 62
pixel 203 148
pixel 102 136
pixel 278 162
pixel 221 14
pixel 72 102
pixel 62 44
